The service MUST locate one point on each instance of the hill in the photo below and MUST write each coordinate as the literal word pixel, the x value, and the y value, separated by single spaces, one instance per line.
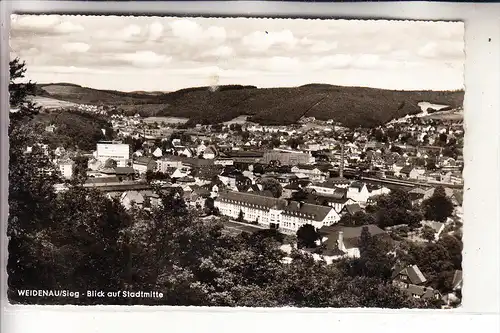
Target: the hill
pixel 352 106
pixel 73 129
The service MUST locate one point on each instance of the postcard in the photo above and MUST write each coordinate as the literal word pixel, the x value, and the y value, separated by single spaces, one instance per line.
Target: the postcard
pixel 235 162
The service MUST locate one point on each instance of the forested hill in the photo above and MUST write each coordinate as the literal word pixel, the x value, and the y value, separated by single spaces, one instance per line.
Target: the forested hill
pixel 352 106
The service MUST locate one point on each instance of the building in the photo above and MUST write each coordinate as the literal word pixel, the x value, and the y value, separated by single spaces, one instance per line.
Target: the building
pixel 287 158
pixel 331 186
pixel 144 164
pixel 66 167
pixel 314 173
pixel 114 150
pixel 346 240
pixel 284 215
pixel 164 164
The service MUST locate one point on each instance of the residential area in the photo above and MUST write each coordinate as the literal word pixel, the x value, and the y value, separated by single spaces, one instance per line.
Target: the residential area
pixel 319 183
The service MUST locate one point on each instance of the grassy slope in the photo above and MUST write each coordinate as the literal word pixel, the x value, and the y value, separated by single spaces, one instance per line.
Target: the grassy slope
pixel 353 106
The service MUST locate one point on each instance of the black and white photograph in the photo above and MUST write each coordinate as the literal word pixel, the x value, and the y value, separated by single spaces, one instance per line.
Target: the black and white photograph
pixel 235 162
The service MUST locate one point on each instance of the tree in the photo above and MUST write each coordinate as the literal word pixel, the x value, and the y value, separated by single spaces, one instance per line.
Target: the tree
pixel 81 166
pixel 294 142
pixel 273 186
pixel 428 233
pixel 31 192
pixel 395 199
pixel 299 195
pixel 438 207
pixel 307 236
pixel 110 163
pixel 241 217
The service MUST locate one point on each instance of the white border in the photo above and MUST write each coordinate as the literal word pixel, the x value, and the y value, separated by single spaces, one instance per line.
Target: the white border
pixel 482 145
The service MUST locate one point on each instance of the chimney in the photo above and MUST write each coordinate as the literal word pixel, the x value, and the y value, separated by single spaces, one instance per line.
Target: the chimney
pixel 340 241
pixel 341 169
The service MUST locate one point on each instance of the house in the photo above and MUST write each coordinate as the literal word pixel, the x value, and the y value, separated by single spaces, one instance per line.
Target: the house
pixel 450 194
pixel 408 275
pixel 346 239
pixel 351 209
pixel 163 164
pixel 416 173
pixel 358 192
pixel 210 153
pixel 337 203
pixel 284 215
pixel 417 195
pixel 188 152
pixel 330 186
pixel 125 173
pixel 144 164
pixel 157 153
pixel 405 171
pixel 290 189
pixel 66 167
pixel 131 198
pixel 50 128
pixel 421 292
pixel 314 173
pixel 438 227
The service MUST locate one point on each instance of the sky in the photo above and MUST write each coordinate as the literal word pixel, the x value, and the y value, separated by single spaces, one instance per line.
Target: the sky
pixel 170 53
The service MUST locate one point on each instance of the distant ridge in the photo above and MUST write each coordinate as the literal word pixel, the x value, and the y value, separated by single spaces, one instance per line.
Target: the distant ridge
pixel 352 106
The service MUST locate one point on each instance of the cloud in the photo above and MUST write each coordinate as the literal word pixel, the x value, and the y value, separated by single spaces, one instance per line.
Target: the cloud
pixel 76 47
pixel 260 41
pixel 331 62
pixel 190 32
pixel 155 30
pixel 35 22
pixel 49 24
pixel 68 27
pixel 280 64
pixel 148 59
pixel 131 31
pixel 69 70
pixel 318 46
pixel 254 51
pixel 184 28
pixel 367 61
pixel 220 52
pixel 443 49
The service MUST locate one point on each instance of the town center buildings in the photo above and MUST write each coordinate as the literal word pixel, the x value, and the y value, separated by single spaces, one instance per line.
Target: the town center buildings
pixel 284 215
pixel 114 150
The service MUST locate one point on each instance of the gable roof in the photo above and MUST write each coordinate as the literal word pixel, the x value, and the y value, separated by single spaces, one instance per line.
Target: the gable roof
pixel 406 169
pixel 457 280
pixel 414 274
pixel 124 170
pixel 133 196
pixel 421 291
pixel 350 235
pixel 436 226
pixel 144 160
pixel 430 192
pixel 353 208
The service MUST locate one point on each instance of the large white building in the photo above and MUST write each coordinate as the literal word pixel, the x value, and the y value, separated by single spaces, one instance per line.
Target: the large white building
pixel 286 216
pixel 114 150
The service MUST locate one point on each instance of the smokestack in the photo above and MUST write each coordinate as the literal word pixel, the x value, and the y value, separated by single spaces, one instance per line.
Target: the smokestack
pixel 341 241
pixel 341 169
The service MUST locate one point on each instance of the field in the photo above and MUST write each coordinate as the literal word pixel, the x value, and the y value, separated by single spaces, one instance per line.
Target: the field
pixel 51 103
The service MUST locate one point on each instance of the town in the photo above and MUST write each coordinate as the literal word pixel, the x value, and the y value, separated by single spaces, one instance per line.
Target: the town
pixel 322 185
